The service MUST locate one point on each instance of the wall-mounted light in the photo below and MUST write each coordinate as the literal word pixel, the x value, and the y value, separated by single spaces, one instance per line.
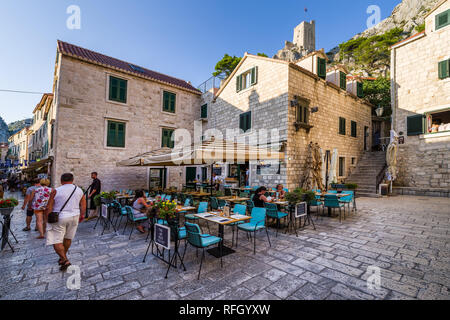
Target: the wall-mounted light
pixel 314 109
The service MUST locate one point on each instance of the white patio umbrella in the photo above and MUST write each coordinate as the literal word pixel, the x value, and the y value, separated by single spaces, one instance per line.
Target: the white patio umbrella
pixel 324 168
pixel 333 167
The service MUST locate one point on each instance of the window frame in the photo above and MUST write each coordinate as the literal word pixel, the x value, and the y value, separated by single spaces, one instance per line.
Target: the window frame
pixel 342 131
pixel 359 89
pixel 426 125
pixel 321 61
pixel 163 101
pixel 253 72
pixel 440 71
pixel 342 80
pixel 172 143
pixel 109 93
pixel 202 109
pixel 354 129
pixel 341 170
pixel 248 116
pixel 437 26
pixel 124 123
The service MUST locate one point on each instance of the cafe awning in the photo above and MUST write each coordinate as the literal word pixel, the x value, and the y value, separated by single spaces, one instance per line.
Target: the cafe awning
pixel 36 166
pixel 205 153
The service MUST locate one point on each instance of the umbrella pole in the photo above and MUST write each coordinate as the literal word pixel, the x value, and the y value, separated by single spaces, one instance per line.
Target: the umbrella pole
pixel 211 180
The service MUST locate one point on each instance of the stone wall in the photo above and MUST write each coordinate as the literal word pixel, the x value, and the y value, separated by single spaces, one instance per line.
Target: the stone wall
pixel 82 111
pixel 424 161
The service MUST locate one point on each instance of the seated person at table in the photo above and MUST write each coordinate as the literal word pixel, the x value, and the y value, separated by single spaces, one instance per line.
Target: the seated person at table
pixel 140 208
pixel 280 191
pixel 259 199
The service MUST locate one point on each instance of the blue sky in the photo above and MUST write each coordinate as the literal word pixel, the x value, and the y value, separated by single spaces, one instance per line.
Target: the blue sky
pixel 181 38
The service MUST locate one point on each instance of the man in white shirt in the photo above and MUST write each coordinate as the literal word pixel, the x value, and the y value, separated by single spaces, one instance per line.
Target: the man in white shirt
pixel 69 201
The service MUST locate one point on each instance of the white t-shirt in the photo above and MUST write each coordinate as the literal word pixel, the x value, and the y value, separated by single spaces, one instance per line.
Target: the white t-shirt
pixel 72 208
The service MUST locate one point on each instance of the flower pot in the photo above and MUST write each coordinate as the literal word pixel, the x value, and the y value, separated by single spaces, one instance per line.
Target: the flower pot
pixel 6 211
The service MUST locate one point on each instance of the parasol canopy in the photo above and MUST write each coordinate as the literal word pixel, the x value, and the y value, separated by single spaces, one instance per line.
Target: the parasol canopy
pixel 205 153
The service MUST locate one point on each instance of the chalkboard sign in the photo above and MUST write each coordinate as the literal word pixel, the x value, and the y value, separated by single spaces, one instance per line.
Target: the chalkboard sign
pixel 217 171
pixel 162 236
pixel 301 210
pixel 104 211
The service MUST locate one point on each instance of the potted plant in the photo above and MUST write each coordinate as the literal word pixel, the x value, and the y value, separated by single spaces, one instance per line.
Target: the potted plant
pixel 7 206
pixel 167 210
pixel 104 197
pixel 351 186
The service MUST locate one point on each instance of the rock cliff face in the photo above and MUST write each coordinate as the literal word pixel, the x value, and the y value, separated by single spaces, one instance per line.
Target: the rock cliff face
pixel 4 131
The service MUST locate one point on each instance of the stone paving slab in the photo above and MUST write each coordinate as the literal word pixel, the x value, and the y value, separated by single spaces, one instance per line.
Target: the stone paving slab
pixel 407 237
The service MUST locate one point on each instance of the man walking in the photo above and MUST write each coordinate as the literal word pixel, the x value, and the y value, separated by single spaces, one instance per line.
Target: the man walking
pixel 95 189
pixel 70 202
pixel 28 203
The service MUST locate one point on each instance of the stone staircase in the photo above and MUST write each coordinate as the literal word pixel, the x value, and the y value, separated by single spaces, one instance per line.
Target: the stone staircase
pixel 366 172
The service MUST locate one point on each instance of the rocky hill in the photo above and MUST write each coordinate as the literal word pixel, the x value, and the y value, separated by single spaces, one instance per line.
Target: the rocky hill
pixel 19 125
pixel 367 53
pixel 4 131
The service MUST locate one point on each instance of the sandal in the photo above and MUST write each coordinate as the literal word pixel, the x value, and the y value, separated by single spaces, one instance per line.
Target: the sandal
pixel 26 229
pixel 141 230
pixel 65 265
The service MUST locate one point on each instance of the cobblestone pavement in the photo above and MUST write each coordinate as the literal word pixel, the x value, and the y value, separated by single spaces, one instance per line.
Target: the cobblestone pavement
pixel 408 238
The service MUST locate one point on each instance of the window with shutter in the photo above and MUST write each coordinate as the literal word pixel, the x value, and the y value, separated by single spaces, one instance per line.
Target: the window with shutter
pixel 169 102
pixel 321 68
pixel 118 89
pixel 116 134
pixel 247 79
pixel 341 166
pixel 342 126
pixel 166 138
pixel 343 80
pixel 354 129
pixel 443 19
pixel 245 121
pixel 204 111
pixel 444 69
pixel 238 83
pixel 415 125
pixel 359 90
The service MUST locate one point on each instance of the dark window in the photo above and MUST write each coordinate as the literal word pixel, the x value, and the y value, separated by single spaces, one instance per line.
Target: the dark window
pixel 302 114
pixel 343 80
pixel 342 126
pixel 204 111
pixel 169 101
pixel 354 129
pixel 415 125
pixel 341 167
pixel 245 121
pixel 116 134
pixel 166 139
pixel 359 90
pixel 443 19
pixel 444 69
pixel 321 68
pixel 118 89
pixel 247 79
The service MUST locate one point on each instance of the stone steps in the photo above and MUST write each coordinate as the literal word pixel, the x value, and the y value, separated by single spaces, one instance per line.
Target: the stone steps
pixel 366 172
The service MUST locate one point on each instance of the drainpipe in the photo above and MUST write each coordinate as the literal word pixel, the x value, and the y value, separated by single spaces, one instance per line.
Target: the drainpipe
pixel 394 89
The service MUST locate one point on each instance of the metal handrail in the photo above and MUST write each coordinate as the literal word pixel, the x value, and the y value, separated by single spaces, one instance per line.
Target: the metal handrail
pixel 381 176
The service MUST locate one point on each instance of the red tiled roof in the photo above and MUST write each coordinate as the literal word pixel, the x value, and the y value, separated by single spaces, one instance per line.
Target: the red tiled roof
pixel 409 38
pixel 98 58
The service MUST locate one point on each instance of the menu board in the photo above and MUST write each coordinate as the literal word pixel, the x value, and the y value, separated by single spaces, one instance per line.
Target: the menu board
pixel 301 210
pixel 162 236
pixel 105 211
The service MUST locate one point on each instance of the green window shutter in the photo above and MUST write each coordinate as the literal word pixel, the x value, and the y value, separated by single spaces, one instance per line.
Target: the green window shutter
pixel 113 88
pixel 249 121
pixel 166 139
pixel 118 89
pixel 241 122
pixel 116 134
pixel 111 136
pixel 321 68
pixel 415 125
pixel 342 126
pixel 354 129
pixel 120 135
pixel 359 90
pixel 238 83
pixel 443 19
pixel 169 101
pixel 343 80
pixel 245 121
pixel 254 76
pixel 444 69
pixel 204 111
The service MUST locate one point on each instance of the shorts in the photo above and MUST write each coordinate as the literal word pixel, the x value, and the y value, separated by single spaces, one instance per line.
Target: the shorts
pixel 30 212
pixel 65 228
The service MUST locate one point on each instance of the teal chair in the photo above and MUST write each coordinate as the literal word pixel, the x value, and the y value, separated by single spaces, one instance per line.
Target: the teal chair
pixel 332 191
pixel 244 195
pixel 348 200
pixel 214 203
pixel 228 192
pixel 133 220
pixel 257 223
pixel 272 212
pixel 202 208
pixel 317 203
pixel 238 209
pixel 201 241
pixel 332 201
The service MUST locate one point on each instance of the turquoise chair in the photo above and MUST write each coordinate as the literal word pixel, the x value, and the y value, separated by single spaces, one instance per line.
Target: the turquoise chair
pixel 255 188
pixel 214 203
pixel 257 223
pixel 317 203
pixel 244 194
pixel 348 199
pixel 168 198
pixel 133 220
pixel 187 203
pixel 332 191
pixel 202 208
pixel 201 241
pixel 238 209
pixel 286 190
pixel 272 212
pixel 332 201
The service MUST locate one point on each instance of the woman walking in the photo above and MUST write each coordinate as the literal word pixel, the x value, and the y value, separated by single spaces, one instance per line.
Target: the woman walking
pixel 40 197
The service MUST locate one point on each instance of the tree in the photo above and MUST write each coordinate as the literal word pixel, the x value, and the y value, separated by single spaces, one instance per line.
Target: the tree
pixel 226 65
pixel 262 55
pixel 378 93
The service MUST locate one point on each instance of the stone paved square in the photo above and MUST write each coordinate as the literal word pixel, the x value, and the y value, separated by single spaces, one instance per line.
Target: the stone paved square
pixel 407 237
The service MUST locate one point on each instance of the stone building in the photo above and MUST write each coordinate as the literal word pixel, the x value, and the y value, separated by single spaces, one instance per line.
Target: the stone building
pixel 421 103
pixel 304 43
pixel 107 110
pixel 296 101
pixel 18 148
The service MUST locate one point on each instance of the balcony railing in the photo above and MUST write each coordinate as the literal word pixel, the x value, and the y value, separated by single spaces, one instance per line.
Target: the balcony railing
pixel 213 82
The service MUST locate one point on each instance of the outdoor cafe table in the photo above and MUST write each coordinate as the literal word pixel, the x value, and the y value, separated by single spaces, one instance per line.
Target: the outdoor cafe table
pixel 339 195
pixel 221 221
pixel 123 198
pixel 237 200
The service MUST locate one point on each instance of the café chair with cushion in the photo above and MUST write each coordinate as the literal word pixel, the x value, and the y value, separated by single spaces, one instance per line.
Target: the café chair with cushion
pixel 202 208
pixel 257 223
pixel 134 221
pixel 214 203
pixel 201 241
pixel 238 209
pixel 272 212
pixel 318 204
pixel 332 201
pixel 348 200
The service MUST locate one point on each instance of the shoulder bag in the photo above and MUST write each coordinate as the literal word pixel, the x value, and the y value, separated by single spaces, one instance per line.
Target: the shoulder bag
pixel 53 217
